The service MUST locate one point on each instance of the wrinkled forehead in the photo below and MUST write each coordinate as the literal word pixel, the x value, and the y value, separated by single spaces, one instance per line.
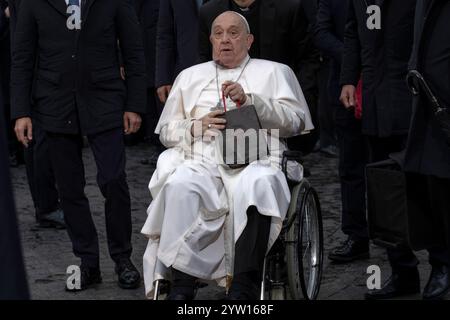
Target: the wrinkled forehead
pixel 229 20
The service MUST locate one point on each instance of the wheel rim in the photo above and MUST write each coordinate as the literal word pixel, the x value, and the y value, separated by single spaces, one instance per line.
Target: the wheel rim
pixel 304 249
pixel 309 247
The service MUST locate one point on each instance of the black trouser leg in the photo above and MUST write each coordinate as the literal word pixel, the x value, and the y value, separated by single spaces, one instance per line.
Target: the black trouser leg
pixel 109 152
pixel 67 163
pixel 251 246
pixel 326 109
pixel 440 204
pixel 352 162
pixel 151 118
pixel 40 174
pixel 429 203
pixel 250 251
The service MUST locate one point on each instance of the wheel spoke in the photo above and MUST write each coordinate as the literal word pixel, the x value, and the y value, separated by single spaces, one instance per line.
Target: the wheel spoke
pixel 306 249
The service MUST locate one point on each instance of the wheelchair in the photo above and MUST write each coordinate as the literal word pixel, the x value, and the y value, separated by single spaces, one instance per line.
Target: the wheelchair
pixel 293 267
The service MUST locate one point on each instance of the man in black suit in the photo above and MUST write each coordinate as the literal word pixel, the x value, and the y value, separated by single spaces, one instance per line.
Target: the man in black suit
pixel 38 165
pixel 14 148
pixel 13 283
pixel 329 37
pixel 177 42
pixel 380 57
pixel 76 90
pixel 147 12
pixel 427 160
pixel 282 33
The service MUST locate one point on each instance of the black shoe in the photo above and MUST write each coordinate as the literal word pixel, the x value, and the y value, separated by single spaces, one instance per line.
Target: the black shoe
pixel 316 146
pixel 179 296
pixel 245 286
pixel 53 220
pixel 90 277
pixel 403 284
pixel 183 286
pixel 13 163
pixel 439 283
pixel 350 250
pixel 330 151
pixel 128 276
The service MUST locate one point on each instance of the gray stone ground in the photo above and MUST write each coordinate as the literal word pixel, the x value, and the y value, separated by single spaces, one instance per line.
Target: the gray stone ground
pixel 48 253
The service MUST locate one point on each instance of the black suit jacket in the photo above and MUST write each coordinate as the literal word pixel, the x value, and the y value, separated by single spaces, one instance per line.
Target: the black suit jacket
pixel 177 39
pixel 3 22
pixel 427 152
pixel 283 35
pixel 5 53
pixel 77 77
pixel 329 38
pixel 13 11
pixel 147 12
pixel 381 57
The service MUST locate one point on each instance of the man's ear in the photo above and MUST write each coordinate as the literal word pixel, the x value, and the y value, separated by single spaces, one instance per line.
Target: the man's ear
pixel 250 40
pixel 211 39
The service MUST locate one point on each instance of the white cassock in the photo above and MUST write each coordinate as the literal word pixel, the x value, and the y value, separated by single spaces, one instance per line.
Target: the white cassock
pixel 199 206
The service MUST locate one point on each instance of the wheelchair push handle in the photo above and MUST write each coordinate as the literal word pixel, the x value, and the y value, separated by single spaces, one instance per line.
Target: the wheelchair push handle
pixel 288 156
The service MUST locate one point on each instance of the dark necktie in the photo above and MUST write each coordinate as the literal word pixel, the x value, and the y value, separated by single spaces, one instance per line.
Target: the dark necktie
pixel 74 3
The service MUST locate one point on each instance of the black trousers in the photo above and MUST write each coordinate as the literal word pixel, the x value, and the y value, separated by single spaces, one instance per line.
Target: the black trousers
pixel 151 118
pixel 109 152
pixel 402 258
pixel 251 246
pixel 40 174
pixel 429 197
pixel 352 162
pixel 13 280
pixel 326 110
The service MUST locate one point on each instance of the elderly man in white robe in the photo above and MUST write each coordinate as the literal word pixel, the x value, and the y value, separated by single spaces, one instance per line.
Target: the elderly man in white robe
pixel 208 221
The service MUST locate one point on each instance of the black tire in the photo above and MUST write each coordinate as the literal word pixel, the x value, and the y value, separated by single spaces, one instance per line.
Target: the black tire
pixel 304 238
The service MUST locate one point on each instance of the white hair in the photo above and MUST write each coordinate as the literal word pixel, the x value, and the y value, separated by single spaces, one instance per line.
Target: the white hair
pixel 247 26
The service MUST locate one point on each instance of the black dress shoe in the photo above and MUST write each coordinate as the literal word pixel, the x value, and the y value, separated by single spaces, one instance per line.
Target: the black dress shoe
pixel 351 249
pixel 183 286
pixel 245 286
pixel 128 276
pixel 89 278
pixel 439 283
pixel 54 219
pixel 330 151
pixel 403 284
pixel 178 296
pixel 13 162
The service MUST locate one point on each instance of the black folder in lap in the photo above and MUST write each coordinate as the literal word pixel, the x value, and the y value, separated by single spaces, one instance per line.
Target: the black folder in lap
pixel 245 129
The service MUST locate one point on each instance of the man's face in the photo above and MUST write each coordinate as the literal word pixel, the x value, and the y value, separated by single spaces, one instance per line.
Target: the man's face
pixel 230 40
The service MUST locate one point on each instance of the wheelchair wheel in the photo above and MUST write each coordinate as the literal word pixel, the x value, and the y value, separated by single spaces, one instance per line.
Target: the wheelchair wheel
pixel 304 243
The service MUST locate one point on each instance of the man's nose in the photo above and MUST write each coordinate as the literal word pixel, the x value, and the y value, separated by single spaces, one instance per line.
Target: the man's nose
pixel 225 38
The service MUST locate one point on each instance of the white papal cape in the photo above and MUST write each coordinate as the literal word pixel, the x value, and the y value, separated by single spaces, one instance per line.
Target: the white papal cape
pixel 199 205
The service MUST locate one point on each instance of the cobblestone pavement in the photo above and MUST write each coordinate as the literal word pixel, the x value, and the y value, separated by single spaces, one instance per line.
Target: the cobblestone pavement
pixel 48 253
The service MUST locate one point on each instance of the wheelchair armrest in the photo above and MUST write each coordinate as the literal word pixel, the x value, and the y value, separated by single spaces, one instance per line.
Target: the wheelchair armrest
pixel 290 155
